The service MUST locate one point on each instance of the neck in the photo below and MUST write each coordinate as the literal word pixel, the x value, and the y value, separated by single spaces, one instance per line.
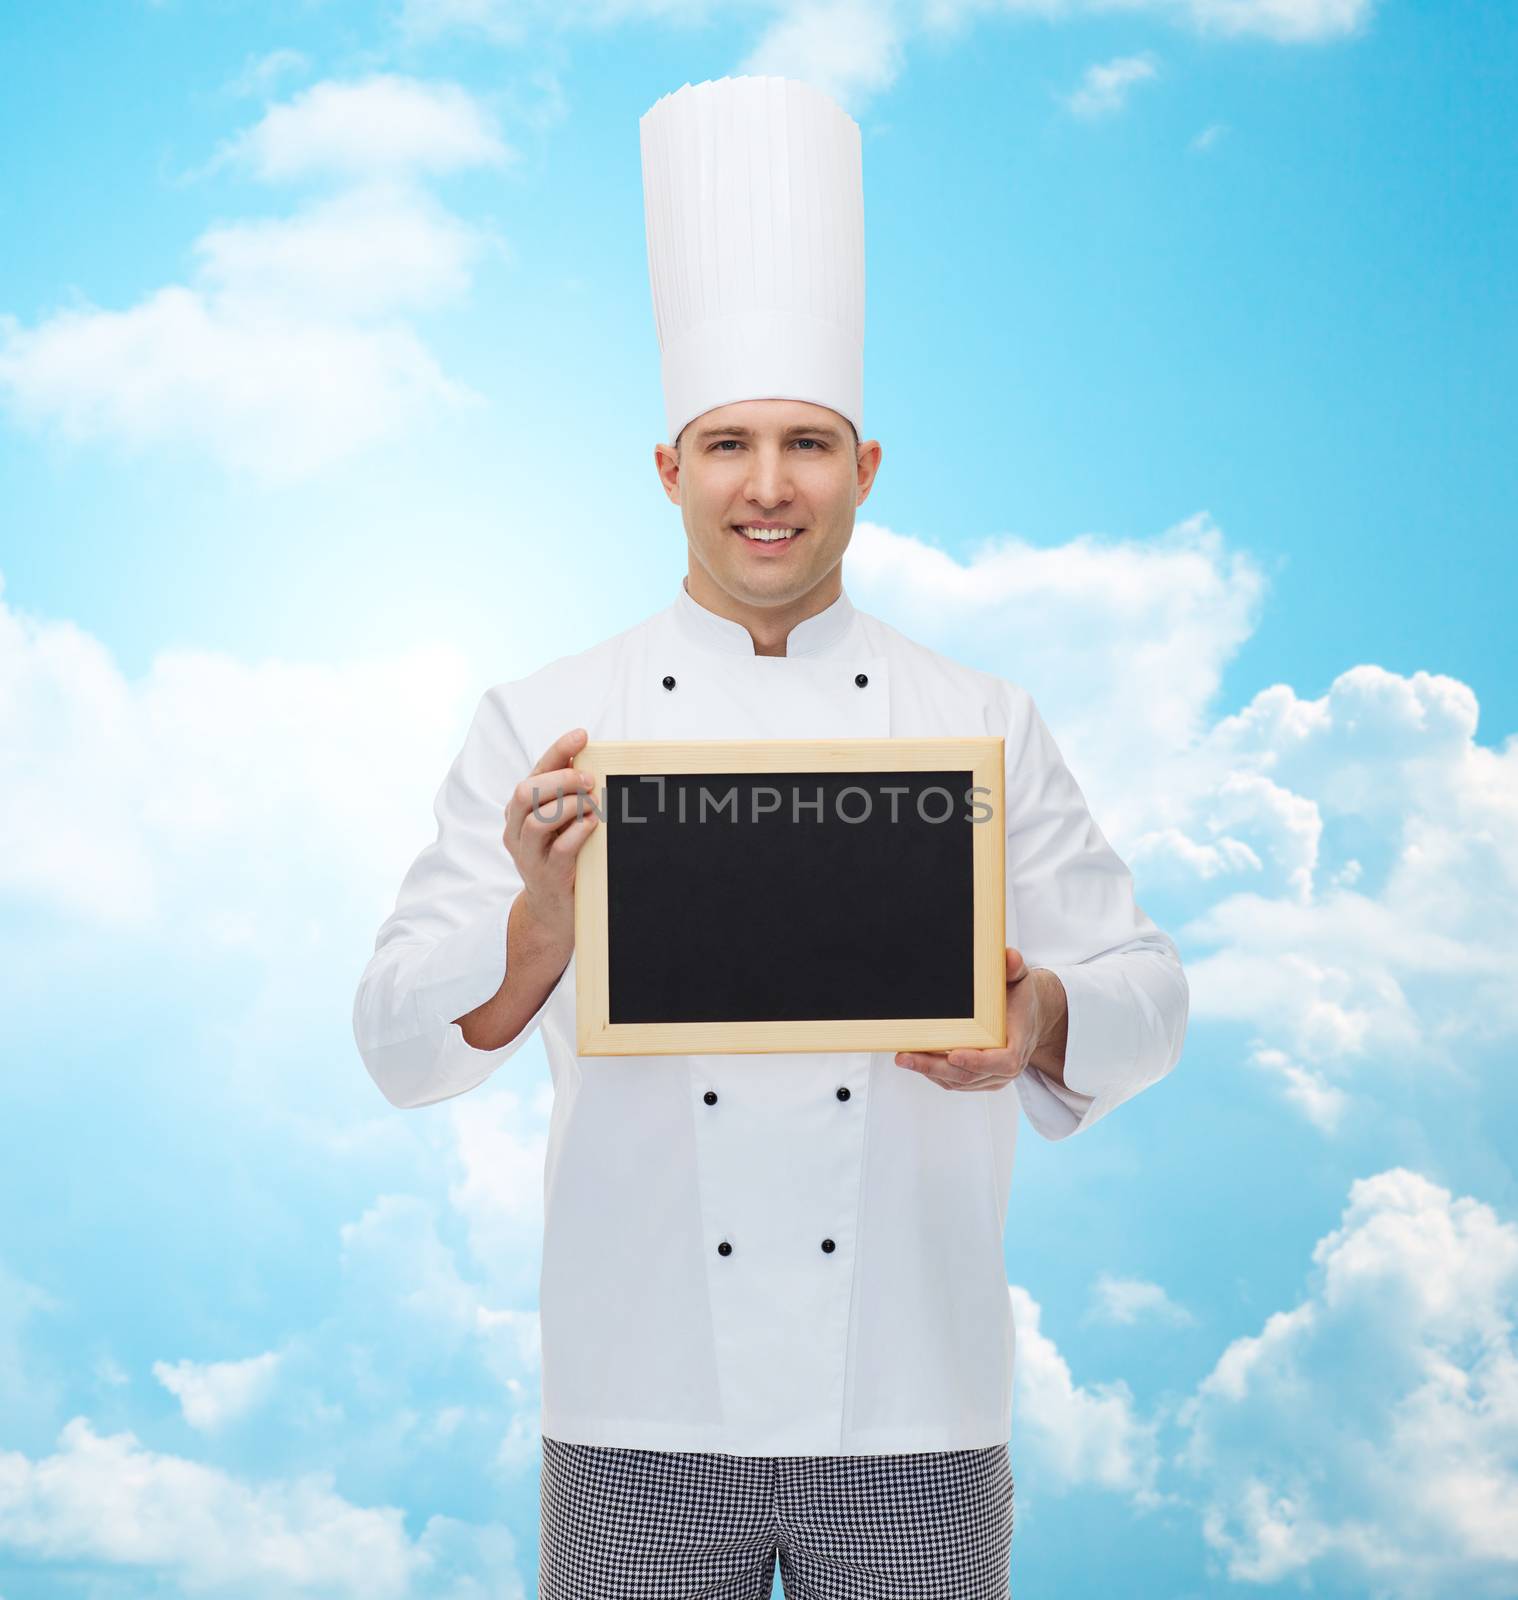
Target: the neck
pixel 768 626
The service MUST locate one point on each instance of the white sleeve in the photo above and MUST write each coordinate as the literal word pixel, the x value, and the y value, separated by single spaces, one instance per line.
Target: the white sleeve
pixel 442 951
pixel 1076 915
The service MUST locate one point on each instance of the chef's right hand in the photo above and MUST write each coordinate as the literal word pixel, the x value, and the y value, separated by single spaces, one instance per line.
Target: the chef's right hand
pixel 544 832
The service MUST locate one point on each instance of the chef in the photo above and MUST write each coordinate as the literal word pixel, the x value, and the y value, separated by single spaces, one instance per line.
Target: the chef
pixel 774 1307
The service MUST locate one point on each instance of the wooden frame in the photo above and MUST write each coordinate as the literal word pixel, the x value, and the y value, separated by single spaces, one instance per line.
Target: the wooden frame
pixel 985 1029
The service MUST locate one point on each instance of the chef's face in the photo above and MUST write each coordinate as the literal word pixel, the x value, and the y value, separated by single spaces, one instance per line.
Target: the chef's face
pixel 780 461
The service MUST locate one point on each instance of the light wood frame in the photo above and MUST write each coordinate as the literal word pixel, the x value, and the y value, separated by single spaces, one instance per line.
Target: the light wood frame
pixel 985 1029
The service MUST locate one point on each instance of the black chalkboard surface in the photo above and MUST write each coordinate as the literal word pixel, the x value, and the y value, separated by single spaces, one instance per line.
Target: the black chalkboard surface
pixel 792 895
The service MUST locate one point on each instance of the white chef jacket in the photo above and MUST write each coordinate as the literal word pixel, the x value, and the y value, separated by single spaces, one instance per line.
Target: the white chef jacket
pixel 897 1336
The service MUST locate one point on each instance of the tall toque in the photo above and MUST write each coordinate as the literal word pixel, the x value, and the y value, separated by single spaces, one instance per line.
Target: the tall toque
pixel 753 199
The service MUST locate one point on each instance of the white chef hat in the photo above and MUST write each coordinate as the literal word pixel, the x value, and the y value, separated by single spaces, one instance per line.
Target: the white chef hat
pixel 753 199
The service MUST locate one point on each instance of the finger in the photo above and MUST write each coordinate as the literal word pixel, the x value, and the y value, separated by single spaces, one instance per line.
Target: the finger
pixel 548 796
pixel 543 807
pixel 960 1069
pixel 568 840
pixel 547 799
pixel 947 1078
pixel 964 1087
pixel 1017 968
pixel 554 768
pixel 561 752
pixel 926 1058
pixel 971 1064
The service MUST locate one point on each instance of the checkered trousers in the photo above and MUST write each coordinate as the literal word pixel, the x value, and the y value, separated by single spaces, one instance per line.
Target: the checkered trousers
pixel 622 1524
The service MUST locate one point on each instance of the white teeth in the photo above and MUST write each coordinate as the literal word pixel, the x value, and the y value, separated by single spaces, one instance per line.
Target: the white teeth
pixel 767 535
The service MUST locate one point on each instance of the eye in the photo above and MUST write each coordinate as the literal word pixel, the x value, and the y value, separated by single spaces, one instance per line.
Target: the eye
pixel 721 444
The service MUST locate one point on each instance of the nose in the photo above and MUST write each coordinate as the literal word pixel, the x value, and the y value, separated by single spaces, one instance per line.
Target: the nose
pixel 769 478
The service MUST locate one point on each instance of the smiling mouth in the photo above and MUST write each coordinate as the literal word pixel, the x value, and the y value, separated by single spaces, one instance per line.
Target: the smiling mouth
pixel 767 535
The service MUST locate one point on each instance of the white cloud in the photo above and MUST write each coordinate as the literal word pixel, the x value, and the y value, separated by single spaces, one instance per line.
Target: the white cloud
pixel 274 395
pixel 287 351
pixel 260 74
pixel 27 1391
pixel 108 1498
pixel 498 1146
pixel 367 251
pixel 1070 1435
pixel 214 1393
pixel 1369 1435
pixel 213 802
pixel 1352 860
pixel 381 125
pixel 394 1252
pixel 395 1259
pixel 1122 642
pixel 1381 924
pixel 500 21
pixel 1104 85
pixel 512 21
pixel 1321 1102
pixel 855 49
pixel 1283 21
pixel 1126 1301
pixel 357 1399
pixel 850 48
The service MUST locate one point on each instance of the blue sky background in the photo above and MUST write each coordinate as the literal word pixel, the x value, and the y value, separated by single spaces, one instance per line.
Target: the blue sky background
pixel 328 392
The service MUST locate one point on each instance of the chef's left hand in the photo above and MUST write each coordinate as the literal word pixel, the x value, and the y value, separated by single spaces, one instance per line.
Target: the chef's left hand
pixel 1032 1011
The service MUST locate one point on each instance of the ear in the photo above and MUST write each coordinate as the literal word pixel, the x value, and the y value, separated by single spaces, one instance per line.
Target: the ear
pixel 667 465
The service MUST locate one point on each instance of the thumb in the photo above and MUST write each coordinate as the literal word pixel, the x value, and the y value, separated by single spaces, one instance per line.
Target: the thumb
pixel 1016 970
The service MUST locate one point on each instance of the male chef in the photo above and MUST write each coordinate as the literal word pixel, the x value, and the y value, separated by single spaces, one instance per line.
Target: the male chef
pixel 774 1308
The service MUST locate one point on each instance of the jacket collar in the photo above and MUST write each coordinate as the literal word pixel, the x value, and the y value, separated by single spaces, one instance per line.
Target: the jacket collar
pixel 812 636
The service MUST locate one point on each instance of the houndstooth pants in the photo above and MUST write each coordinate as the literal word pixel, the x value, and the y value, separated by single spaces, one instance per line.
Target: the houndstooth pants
pixel 623 1524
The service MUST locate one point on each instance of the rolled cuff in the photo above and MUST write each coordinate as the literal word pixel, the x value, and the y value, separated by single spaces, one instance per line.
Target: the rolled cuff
pixel 434 1061
pixel 423 1070
pixel 1100 1052
pixel 463 969
pixel 1053 1110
